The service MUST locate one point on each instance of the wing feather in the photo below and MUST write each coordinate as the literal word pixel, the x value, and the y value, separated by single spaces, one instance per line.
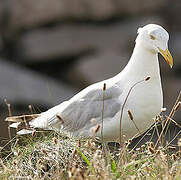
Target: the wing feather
pixel 89 105
pixel 77 113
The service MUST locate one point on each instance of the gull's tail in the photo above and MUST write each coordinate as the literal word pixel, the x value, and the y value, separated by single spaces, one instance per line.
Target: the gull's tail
pixel 48 120
pixel 21 123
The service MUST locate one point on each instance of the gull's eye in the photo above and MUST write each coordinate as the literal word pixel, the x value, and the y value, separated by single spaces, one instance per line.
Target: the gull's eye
pixel 152 37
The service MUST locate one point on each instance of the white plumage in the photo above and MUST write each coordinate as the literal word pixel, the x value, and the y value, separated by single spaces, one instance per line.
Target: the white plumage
pixel 83 112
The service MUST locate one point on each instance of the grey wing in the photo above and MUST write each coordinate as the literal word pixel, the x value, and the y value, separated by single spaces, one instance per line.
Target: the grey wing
pixel 78 112
pixel 88 105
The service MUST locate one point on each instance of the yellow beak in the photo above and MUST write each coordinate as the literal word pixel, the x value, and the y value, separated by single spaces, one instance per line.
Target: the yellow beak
pixel 167 56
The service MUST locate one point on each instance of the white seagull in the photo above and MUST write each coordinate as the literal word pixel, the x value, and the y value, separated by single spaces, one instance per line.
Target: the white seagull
pixel 134 96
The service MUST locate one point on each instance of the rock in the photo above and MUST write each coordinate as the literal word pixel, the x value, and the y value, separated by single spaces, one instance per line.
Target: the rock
pixel 2 23
pixel 22 86
pixel 139 6
pixel 175 46
pixel 26 14
pixel 172 17
pixel 3 10
pixel 98 67
pixel 72 40
pixel 171 89
pixel 1 43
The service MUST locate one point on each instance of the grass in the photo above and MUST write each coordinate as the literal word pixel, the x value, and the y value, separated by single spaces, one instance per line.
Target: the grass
pixel 50 155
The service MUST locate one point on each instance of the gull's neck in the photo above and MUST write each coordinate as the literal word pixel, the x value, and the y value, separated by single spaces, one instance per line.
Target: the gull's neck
pixel 143 63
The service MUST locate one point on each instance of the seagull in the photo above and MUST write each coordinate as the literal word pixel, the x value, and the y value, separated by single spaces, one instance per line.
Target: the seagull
pixel 126 103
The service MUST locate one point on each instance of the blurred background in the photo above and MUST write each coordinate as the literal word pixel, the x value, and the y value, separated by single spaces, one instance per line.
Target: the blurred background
pixel 50 50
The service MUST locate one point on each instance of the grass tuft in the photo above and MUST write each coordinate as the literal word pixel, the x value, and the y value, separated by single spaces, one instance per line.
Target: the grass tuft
pixel 56 156
pixel 51 155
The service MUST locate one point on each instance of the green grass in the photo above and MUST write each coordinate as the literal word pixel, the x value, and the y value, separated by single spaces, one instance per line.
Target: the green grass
pixel 55 156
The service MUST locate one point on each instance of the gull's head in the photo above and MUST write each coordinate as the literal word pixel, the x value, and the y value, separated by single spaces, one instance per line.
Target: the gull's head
pixel 155 39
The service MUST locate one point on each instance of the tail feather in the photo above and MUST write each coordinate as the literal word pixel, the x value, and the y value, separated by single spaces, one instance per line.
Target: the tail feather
pixel 21 123
pixel 48 120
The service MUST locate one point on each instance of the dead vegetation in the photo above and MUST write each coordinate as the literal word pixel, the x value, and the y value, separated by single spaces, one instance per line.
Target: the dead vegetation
pixel 52 155
pixel 56 156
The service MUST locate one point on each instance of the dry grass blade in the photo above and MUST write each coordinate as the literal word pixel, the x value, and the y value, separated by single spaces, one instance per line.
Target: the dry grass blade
pixel 10 114
pixel 30 108
pixel 9 107
pixel 174 122
pixel 104 88
pixel 22 118
pixel 59 157
pixel 168 118
pixel 123 105
pixel 157 130
pixel 177 106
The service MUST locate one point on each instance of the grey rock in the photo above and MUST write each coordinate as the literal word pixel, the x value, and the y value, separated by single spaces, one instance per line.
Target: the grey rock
pixel 20 85
pixel 72 40
pixel 1 43
pixel 101 66
pixel 139 6
pixel 172 17
pixel 175 47
pixel 3 10
pixel 25 14
pixel 171 89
